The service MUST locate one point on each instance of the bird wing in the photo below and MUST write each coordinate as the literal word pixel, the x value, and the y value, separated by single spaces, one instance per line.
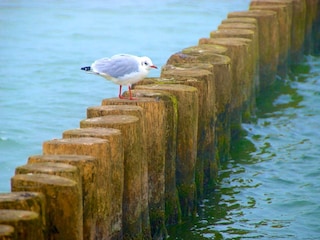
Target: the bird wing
pixel 116 66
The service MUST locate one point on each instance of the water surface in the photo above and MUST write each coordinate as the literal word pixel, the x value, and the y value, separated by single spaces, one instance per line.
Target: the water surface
pixel 270 188
pixel 43 44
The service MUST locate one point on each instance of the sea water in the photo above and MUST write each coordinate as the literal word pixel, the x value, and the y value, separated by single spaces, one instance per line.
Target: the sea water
pixel 43 45
pixel 270 187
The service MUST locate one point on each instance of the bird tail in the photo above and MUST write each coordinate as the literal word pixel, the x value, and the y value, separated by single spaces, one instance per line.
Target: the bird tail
pixel 88 68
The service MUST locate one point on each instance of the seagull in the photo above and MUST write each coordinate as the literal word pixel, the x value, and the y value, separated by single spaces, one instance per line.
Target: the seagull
pixel 122 69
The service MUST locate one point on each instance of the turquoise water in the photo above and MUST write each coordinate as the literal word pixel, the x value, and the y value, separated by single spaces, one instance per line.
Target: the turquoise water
pixel 270 188
pixel 43 44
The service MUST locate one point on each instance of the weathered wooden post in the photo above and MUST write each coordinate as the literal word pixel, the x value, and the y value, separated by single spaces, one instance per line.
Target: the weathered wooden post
pixel 131 129
pixel 202 80
pixel 29 201
pixel 172 205
pixel 139 113
pixel 116 109
pixel 153 120
pixel 87 168
pixel 58 169
pixel 237 51
pixel 316 32
pixel 24 224
pixel 204 56
pixel 114 137
pixel 59 191
pixel 187 108
pixel 246 24
pixel 249 81
pixel 268 43
pixel 7 232
pixel 284 16
pixel 100 149
pixel 298 30
pixel 312 8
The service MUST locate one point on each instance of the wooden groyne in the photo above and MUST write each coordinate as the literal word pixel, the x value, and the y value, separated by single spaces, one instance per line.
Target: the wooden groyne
pixel 134 167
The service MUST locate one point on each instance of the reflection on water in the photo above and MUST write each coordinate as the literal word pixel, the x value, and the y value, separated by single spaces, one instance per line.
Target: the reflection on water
pixel 271 186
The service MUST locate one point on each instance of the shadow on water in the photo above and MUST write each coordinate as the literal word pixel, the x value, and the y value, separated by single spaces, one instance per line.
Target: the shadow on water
pixel 261 191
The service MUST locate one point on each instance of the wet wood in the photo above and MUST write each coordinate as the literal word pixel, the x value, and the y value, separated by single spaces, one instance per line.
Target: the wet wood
pixel 284 16
pixel 134 172
pixel 59 191
pixel 30 201
pixel 268 43
pixel 220 66
pixel 7 232
pixel 100 150
pixel 26 224
pixel 250 80
pixel 114 137
pixel 58 169
pixel 87 169
pixel 238 52
pixel 154 142
pixel 187 109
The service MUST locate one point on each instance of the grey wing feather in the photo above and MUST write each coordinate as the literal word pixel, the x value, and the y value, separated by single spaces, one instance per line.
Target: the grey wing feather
pixel 116 66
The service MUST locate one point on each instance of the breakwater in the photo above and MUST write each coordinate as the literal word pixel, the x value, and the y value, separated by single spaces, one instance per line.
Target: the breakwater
pixel 183 105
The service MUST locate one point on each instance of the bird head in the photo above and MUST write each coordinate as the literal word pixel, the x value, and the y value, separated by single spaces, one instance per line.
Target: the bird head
pixel 146 63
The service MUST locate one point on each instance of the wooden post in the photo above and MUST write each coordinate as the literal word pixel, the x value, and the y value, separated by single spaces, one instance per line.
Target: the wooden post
pixel 316 32
pixel 61 192
pixel 221 83
pixel 284 21
pixel 7 232
pixel 196 54
pixel 250 24
pixel 222 80
pixel 114 138
pixel 30 201
pixel 298 30
pixel 126 109
pixel 250 81
pixel 203 80
pixel 131 130
pixel 100 149
pixel 312 7
pixel 154 133
pixel 238 25
pixel 87 168
pixel 26 224
pixel 187 106
pixel 172 204
pixel 58 169
pixel 268 43
pixel 254 44
pixel 237 51
pixel 249 20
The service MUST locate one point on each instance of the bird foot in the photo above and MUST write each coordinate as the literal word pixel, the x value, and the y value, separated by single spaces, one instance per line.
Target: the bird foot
pixel 130 98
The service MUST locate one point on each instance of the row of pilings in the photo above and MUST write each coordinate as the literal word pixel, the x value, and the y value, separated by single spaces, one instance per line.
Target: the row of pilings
pixel 134 167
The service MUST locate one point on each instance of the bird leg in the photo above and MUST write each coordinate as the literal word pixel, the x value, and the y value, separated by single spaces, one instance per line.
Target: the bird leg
pixel 130 98
pixel 120 89
pixel 122 97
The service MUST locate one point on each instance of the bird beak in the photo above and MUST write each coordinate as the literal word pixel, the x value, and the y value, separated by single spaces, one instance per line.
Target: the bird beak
pixel 153 66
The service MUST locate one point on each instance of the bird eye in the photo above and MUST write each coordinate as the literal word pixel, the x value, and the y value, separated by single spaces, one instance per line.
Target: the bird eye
pixel 145 63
